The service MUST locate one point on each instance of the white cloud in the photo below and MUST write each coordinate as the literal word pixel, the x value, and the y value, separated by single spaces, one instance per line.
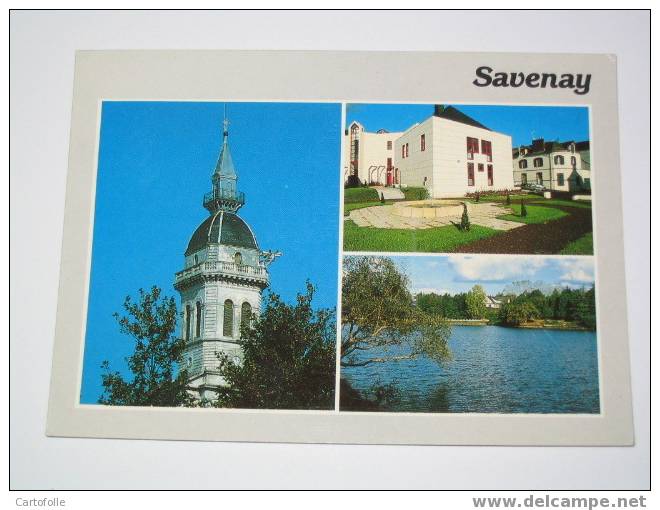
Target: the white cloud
pixel 577 270
pixel 492 268
pixel 430 290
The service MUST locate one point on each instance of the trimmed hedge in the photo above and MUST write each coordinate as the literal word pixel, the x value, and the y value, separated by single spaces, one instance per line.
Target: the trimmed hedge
pixel 353 195
pixel 415 193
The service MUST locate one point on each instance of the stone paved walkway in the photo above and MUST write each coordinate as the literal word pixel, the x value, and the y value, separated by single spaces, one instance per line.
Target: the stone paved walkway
pixel 484 215
pixel 390 193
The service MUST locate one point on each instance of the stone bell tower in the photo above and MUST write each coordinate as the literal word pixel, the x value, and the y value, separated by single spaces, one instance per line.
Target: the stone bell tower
pixel 224 275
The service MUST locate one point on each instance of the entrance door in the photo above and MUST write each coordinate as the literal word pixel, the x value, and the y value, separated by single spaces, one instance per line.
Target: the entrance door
pixel 390 177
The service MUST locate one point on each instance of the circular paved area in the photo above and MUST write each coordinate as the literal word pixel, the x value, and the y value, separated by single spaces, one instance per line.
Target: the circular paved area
pixel 484 214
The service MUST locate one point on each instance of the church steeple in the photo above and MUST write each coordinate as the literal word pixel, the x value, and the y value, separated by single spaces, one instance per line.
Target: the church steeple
pixel 224 195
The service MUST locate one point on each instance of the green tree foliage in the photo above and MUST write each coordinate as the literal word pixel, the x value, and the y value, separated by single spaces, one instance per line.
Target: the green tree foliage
pixel 378 312
pixel 523 209
pixel 515 314
pixel 574 305
pixel 475 301
pixel 288 359
pixel 151 322
pixel 465 220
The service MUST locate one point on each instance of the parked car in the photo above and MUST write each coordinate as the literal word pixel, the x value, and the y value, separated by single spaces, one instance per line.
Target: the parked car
pixel 535 187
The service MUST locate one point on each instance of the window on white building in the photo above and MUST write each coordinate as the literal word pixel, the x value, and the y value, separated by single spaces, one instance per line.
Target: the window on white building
pixel 490 175
pixel 389 145
pixel 198 320
pixel 188 322
pixel 560 179
pixel 472 147
pixel 238 258
pixel 487 149
pixel 246 314
pixel 522 163
pixel 559 160
pixel 228 319
pixel 422 142
pixel 470 172
pixel 539 177
pixel 573 161
pixel 523 179
pixel 538 162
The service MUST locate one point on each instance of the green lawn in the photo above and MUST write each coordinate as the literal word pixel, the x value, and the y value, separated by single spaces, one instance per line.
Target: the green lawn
pixel 441 239
pixel 359 205
pixel 567 203
pixel 535 214
pixel 352 195
pixel 582 246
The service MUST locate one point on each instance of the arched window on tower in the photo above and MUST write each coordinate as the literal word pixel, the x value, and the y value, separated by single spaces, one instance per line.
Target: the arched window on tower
pixel 188 322
pixel 238 258
pixel 246 314
pixel 198 320
pixel 228 319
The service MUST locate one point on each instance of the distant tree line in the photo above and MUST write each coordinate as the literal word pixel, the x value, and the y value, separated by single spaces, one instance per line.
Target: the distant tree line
pixel 575 305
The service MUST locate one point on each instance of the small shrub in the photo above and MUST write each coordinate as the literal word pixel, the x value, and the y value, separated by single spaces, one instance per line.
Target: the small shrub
pixel 382 198
pixel 415 193
pixel 523 209
pixel 353 181
pixel 465 220
pixel 508 199
pixel 476 196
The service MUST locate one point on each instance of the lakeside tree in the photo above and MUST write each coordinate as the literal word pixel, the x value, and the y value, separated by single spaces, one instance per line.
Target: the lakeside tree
pixel 515 314
pixel 289 359
pixel 475 303
pixel 380 322
pixel 155 380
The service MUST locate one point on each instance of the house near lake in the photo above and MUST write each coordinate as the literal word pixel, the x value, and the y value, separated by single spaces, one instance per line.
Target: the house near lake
pixel 450 154
pixel 557 166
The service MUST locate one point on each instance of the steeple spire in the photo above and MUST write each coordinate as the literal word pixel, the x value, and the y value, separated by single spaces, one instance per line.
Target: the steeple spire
pixel 224 195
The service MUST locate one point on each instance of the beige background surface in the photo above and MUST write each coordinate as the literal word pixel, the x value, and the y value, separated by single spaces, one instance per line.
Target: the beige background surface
pixel 589 430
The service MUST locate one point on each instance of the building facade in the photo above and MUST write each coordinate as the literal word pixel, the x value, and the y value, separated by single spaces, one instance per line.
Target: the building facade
pixel 220 286
pixel 557 166
pixel 452 154
pixel 369 157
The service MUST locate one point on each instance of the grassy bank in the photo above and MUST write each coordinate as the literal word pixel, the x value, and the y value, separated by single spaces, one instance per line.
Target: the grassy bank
pixel 434 240
pixel 535 214
pixel 582 246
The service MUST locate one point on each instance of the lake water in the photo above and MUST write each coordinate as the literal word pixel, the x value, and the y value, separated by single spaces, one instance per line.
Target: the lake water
pixel 495 370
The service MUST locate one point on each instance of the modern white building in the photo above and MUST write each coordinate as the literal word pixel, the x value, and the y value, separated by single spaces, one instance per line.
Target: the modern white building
pixel 369 157
pixel 557 166
pixel 221 284
pixel 452 154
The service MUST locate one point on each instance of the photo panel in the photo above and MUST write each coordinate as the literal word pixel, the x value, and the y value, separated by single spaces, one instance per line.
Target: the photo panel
pixel 466 178
pixel 469 334
pixel 214 256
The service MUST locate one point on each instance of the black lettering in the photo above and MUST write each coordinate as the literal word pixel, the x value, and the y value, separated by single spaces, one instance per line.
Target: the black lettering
pixel 483 72
pixel 552 77
pixel 515 83
pixel 566 81
pixel 531 80
pixel 581 87
pixel 501 80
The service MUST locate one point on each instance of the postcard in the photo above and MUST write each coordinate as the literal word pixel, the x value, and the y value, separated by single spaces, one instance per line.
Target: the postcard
pixel 256 250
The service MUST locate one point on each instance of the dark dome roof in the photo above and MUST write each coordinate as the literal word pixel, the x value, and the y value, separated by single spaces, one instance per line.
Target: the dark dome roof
pixel 223 228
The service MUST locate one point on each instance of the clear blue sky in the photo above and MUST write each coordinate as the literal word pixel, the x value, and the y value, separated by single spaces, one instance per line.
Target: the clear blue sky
pixel 455 274
pixel 559 123
pixel 155 164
